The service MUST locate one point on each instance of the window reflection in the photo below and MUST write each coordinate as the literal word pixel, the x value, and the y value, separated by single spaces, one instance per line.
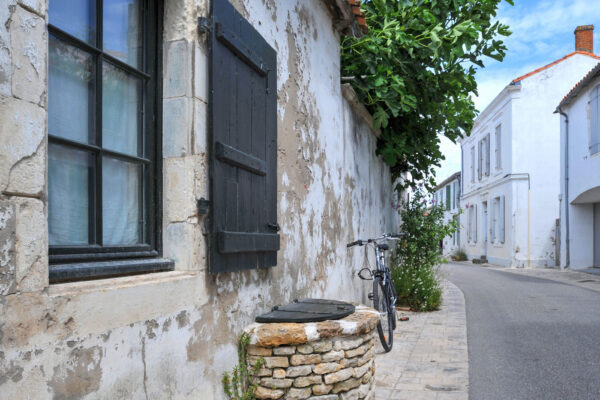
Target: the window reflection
pixel 122 30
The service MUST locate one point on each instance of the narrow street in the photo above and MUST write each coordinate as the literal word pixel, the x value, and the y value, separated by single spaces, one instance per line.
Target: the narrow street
pixel 529 337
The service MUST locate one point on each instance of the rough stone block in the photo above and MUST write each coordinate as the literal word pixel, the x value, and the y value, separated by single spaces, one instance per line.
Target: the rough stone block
pixel 301 370
pixel 284 350
pixel 326 368
pixel 360 371
pixel 298 394
pixel 365 358
pixel 6 13
pixel 321 389
pixel 31 246
pixel 279 373
pixel 366 377
pixel 304 381
pixel 264 372
pixel 29 53
pixel 200 127
pixel 346 385
pixel 339 376
pixel 176 245
pixel 333 356
pixel 7 249
pixel 350 395
pixel 265 393
pixel 178 189
pixel 39 6
pixel 359 351
pixel 322 346
pixel 363 390
pixel 177 67
pixel 349 362
pixel 258 351
pixel 301 359
pixel 305 349
pixel 22 134
pixel 348 343
pixel 276 383
pixel 327 397
pixel 176 127
pixel 277 362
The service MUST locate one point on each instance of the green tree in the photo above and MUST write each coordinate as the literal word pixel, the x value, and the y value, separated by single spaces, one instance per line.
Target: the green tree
pixel 415 73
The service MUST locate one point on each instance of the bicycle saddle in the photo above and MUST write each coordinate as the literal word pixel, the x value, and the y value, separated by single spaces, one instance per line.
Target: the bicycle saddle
pixel 383 246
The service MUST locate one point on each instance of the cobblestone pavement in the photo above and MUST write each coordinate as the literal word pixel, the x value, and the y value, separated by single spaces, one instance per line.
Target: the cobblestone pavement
pixel 429 360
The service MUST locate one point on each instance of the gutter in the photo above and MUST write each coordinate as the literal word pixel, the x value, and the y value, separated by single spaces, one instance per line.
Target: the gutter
pixel 566 199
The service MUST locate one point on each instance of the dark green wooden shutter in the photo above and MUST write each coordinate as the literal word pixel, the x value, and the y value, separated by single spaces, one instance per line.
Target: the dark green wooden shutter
pixel 243 144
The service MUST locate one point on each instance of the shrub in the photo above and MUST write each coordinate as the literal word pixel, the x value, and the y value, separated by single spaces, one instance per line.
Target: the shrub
pixel 459 255
pixel 415 262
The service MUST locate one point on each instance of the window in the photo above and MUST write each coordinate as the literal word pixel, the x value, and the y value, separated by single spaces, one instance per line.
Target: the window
pixel 473 164
pixel 479 159
pixel 472 223
pixel 457 194
pixel 498 147
pixel 595 120
pixel 448 197
pixel 497 223
pixel 243 143
pixel 102 106
pixel 487 155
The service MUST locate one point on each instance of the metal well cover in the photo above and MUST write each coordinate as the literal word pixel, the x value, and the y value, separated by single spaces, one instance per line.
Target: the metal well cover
pixel 308 310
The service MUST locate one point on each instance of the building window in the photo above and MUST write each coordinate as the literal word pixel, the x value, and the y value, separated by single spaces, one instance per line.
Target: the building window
pixel 448 197
pixel 472 164
pixel 479 159
pixel 102 107
pixel 595 120
pixel 457 194
pixel 498 147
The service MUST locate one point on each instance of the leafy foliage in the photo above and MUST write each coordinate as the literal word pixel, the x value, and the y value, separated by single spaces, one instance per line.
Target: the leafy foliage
pixel 415 261
pixel 238 385
pixel 415 72
pixel 459 255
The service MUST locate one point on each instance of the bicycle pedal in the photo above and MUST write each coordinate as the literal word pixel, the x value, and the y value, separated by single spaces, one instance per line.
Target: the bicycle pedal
pixel 370 296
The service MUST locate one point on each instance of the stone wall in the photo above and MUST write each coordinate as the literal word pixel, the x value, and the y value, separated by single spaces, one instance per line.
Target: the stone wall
pixel 161 335
pixel 330 360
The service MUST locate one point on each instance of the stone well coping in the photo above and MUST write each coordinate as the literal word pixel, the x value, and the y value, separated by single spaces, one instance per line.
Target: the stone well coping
pixel 363 320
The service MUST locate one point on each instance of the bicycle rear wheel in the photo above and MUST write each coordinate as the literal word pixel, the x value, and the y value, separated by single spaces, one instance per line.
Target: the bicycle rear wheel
pixel 385 324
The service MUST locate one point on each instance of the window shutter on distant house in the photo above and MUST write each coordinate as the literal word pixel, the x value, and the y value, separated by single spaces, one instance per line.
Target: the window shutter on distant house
pixel 243 144
pixel 595 120
pixel 494 217
pixel 448 197
pixel 502 219
pixel 475 224
pixel 499 147
pixel 487 155
pixel 479 159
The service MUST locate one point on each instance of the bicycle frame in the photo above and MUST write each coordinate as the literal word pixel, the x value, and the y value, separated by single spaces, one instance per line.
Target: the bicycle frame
pixel 384 274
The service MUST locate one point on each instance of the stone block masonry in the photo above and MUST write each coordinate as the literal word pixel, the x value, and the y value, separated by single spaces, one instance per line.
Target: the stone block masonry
pixel 329 360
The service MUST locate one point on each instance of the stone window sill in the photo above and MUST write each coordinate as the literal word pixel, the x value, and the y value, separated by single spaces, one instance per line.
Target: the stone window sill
pixel 60 273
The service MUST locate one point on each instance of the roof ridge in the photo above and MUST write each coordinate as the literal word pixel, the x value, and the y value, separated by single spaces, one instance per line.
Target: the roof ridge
pixel 585 53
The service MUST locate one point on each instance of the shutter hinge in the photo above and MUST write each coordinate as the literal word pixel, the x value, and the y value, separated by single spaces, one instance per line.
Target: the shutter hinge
pixel 275 226
pixel 203 25
pixel 203 206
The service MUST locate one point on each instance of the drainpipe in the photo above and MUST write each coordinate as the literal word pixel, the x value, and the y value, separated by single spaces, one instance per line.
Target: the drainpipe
pixel 566 200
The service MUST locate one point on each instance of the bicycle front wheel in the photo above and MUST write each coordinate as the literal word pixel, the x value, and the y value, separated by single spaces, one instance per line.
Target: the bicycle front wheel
pixel 385 324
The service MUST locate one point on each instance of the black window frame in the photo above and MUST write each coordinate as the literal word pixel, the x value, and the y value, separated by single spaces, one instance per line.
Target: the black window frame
pixel 61 257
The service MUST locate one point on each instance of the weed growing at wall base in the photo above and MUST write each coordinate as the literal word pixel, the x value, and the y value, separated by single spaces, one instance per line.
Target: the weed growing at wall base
pixel 238 385
pixel 415 262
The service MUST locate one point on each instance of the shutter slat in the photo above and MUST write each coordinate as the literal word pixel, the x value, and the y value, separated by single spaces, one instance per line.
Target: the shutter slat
pixel 240 242
pixel 240 159
pixel 502 219
pixel 475 224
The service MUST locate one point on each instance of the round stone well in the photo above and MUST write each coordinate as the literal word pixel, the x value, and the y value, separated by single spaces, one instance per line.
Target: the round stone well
pixel 328 360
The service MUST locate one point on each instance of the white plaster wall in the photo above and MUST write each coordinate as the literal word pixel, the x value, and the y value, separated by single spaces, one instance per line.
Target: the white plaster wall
pixel 584 182
pixel 173 334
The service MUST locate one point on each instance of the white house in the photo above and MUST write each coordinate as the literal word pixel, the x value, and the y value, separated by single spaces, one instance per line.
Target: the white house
pixel 579 174
pixel 510 165
pixel 447 194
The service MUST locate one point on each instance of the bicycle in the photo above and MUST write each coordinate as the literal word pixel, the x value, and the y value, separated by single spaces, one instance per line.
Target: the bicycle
pixel 384 295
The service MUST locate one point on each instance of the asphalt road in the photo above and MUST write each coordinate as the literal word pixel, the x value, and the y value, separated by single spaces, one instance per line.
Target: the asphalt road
pixel 529 338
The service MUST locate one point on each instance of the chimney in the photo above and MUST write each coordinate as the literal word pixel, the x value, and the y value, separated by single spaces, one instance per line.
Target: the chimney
pixel 584 38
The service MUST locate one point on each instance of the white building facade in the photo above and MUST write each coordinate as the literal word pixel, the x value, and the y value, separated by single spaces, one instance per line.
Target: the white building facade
pixel 510 165
pixel 579 174
pixel 447 194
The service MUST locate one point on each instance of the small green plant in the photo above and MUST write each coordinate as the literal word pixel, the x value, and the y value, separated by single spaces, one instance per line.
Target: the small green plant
pixel 239 384
pixel 459 255
pixel 415 262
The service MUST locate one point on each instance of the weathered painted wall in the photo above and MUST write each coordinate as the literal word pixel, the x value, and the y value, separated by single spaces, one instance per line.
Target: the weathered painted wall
pixel 172 334
pixel 584 182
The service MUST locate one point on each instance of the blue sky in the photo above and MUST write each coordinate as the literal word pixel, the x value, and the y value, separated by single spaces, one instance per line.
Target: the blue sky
pixel 542 33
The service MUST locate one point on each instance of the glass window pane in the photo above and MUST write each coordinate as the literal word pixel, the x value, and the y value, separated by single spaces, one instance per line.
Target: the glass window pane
pixel 121 202
pixel 121 110
pixel 77 17
pixel 70 91
pixel 69 173
pixel 122 30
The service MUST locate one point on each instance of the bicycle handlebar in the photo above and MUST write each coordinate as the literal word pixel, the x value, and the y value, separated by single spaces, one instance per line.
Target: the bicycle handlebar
pixel 387 236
